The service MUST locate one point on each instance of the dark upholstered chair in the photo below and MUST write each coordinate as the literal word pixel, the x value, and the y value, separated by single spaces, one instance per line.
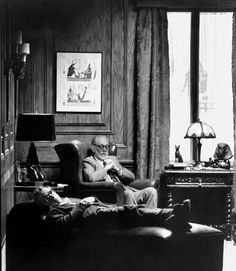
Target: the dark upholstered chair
pixel 71 157
pixel 31 245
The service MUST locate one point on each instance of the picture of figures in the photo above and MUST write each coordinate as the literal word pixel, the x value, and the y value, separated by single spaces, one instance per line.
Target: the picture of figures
pixel 75 73
pixel 78 82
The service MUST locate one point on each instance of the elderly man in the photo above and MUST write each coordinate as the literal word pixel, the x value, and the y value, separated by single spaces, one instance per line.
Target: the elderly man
pixel 92 213
pixel 102 167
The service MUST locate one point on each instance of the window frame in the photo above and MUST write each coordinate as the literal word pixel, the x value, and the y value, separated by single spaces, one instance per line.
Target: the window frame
pixel 194 62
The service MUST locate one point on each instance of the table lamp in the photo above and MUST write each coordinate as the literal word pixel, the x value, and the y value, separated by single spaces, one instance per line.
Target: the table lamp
pixel 198 130
pixel 35 127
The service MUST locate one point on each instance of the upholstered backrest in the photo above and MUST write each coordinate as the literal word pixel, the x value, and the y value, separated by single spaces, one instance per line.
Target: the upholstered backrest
pixel 26 215
pixel 27 226
pixel 25 223
pixel 71 157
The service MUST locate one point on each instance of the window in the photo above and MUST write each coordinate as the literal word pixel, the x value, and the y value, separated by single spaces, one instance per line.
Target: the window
pixel 179 50
pixel 202 71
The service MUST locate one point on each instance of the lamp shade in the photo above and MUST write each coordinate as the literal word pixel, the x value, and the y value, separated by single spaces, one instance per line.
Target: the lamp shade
pixel 35 127
pixel 200 130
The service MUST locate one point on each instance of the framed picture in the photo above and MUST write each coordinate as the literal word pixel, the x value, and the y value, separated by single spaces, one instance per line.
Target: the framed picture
pixel 78 82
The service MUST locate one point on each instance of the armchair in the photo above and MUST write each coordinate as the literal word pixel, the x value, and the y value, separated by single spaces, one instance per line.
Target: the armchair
pixel 71 156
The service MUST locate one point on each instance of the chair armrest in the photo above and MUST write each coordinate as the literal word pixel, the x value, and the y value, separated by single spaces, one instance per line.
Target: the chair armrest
pixel 98 185
pixel 143 183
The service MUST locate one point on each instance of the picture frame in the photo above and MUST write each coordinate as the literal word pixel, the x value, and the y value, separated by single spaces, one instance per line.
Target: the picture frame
pixel 78 82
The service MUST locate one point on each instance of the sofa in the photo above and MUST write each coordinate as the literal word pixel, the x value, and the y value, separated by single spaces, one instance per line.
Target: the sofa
pixel 31 245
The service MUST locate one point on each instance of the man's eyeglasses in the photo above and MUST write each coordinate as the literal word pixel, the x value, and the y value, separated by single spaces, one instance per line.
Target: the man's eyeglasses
pixel 101 147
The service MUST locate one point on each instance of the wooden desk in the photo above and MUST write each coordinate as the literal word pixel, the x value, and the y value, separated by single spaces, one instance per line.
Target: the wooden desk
pixel 209 191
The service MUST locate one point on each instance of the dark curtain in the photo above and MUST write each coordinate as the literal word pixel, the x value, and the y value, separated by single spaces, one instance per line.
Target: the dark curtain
pixel 234 98
pixel 152 100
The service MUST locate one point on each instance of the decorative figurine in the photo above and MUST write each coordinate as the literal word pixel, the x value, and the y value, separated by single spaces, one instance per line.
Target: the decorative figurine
pixel 178 156
pixel 222 155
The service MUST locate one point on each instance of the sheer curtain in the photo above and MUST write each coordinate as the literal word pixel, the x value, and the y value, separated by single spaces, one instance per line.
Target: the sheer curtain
pixel 152 96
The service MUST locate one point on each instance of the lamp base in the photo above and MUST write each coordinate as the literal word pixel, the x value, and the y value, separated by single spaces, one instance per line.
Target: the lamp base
pixel 32 158
pixel 199 165
pixel 199 146
pixel 33 168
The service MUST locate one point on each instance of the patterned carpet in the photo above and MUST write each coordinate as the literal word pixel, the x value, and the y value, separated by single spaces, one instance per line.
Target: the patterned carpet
pixel 229 256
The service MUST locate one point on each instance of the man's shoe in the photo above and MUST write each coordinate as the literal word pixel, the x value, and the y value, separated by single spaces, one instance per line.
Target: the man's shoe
pixel 182 211
pixel 178 221
pixel 187 206
pixel 177 226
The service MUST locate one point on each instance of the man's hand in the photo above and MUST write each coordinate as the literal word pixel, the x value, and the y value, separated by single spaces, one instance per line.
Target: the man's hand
pixel 110 165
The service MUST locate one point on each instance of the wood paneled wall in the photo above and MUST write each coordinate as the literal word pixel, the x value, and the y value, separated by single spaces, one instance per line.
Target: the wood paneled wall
pixel 85 26
pixel 7 123
pixel 80 26
pixel 188 4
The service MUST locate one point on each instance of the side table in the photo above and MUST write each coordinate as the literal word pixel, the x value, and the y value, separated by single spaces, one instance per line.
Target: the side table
pixel 24 190
pixel 209 191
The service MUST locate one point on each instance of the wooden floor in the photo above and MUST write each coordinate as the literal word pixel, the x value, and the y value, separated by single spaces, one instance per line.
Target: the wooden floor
pixel 229 256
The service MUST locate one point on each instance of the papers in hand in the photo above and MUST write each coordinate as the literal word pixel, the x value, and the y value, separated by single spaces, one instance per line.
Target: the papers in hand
pixel 88 200
pixel 178 164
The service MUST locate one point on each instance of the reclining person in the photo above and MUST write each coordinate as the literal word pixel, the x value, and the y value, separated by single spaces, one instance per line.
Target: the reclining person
pixel 102 167
pixel 93 214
